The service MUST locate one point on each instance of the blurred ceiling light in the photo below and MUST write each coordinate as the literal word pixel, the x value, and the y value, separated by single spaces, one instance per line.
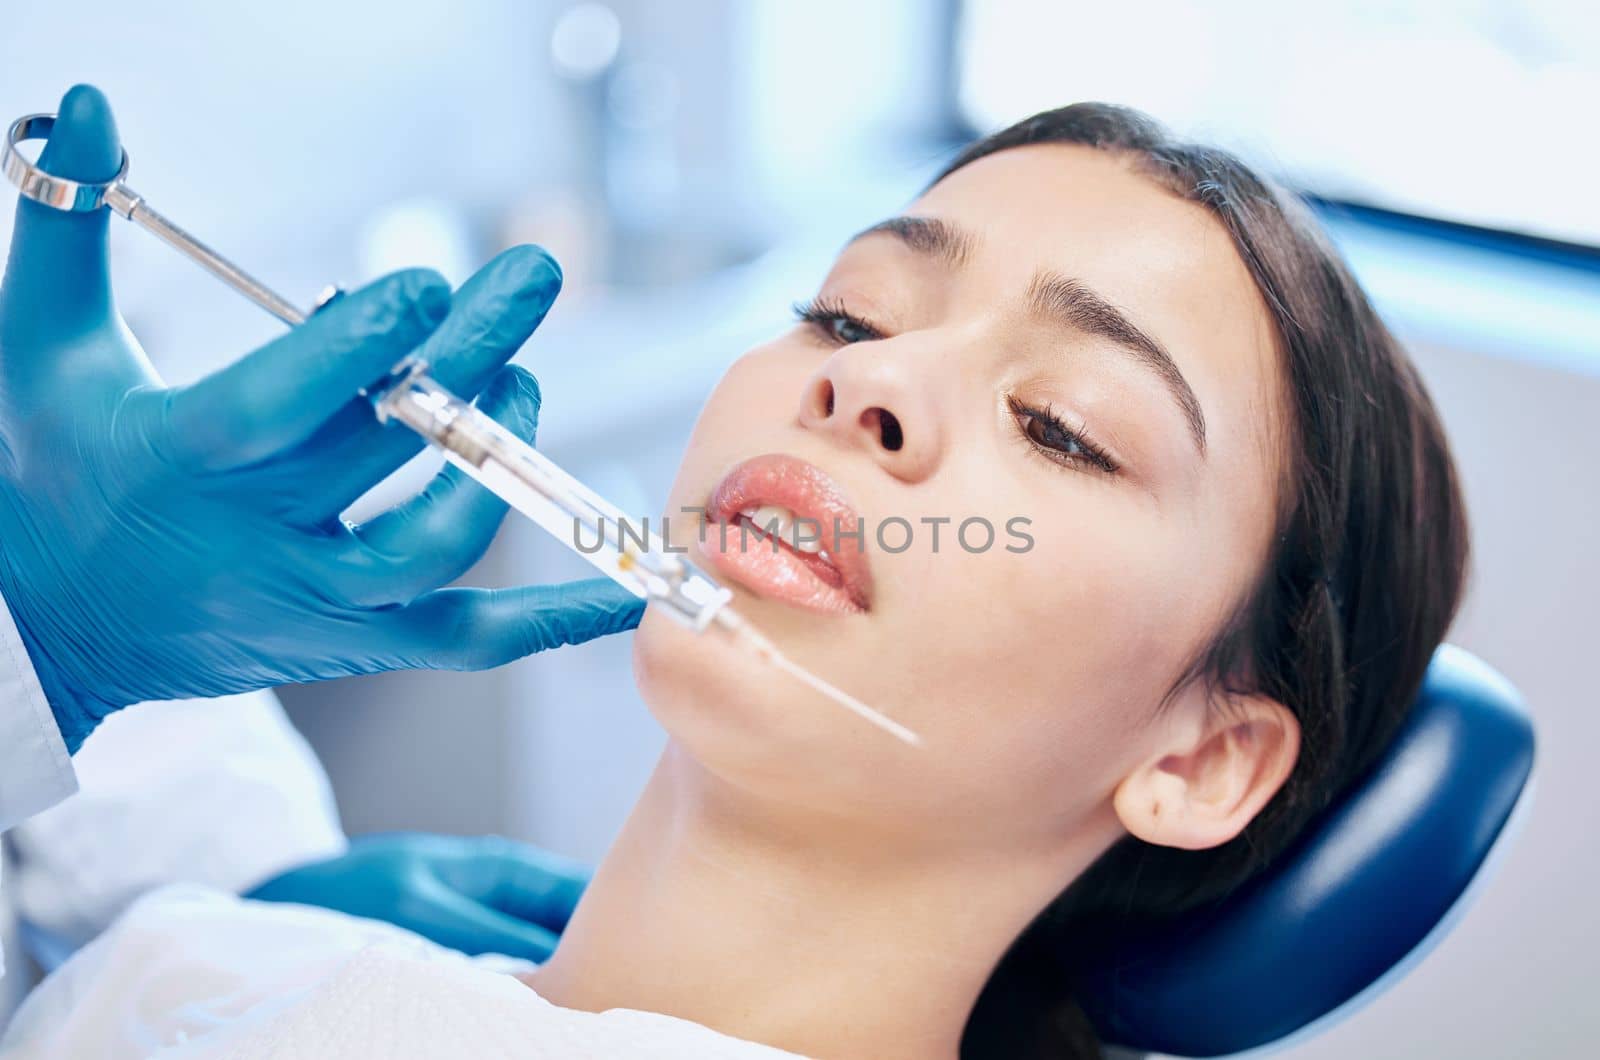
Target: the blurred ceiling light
pixel 585 41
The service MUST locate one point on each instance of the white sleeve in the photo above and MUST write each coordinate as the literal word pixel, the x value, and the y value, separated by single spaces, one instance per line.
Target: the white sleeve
pixel 35 770
pixel 187 962
pixel 190 974
pixel 219 792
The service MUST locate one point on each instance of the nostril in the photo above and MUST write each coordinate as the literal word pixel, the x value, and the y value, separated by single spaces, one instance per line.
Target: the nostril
pixel 889 432
pixel 822 399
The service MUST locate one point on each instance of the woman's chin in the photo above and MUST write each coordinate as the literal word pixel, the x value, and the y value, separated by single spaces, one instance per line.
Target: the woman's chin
pixel 734 712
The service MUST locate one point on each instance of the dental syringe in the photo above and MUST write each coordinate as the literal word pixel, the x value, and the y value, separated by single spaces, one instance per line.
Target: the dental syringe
pixel 503 463
pixel 635 558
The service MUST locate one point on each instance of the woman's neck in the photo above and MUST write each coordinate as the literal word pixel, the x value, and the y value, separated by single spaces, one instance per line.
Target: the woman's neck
pixel 732 916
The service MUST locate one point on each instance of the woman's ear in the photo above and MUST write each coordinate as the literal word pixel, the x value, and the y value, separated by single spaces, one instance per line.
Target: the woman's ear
pixel 1202 788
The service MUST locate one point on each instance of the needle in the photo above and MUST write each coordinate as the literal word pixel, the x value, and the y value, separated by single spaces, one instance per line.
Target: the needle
pixel 769 651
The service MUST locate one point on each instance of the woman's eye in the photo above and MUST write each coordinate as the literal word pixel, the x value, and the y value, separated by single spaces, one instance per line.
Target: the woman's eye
pixel 1049 433
pixel 849 329
pixel 835 322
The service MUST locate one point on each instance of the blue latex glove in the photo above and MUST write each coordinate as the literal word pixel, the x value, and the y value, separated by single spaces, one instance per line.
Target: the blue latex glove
pixel 161 543
pixel 478 895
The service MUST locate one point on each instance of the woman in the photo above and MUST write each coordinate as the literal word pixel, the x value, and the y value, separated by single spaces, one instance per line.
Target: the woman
pixel 1243 542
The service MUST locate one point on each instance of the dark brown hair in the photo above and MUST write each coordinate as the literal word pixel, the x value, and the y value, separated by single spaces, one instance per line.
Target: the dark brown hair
pixel 1363 580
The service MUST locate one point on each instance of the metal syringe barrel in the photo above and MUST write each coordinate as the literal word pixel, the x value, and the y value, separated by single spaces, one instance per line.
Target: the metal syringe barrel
pixel 633 556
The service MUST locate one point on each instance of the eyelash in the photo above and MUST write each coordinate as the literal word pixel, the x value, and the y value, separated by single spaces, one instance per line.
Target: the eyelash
pixel 826 316
pixel 1068 439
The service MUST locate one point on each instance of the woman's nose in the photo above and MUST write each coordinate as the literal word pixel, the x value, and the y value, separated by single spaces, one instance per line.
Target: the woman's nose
pixel 868 397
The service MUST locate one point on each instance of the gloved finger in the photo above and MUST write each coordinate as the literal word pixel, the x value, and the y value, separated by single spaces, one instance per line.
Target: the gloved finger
pixel 279 395
pixel 494 313
pixel 549 905
pixel 455 920
pixel 475 629
pixel 58 278
pixel 433 538
pixel 517 879
pixel 541 888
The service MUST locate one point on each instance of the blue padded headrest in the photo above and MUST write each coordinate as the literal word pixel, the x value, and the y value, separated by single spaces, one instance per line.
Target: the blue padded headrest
pixel 1362 888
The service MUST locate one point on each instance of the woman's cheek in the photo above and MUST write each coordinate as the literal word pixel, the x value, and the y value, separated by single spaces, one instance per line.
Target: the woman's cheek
pixel 964 666
pixel 757 396
pixel 1080 609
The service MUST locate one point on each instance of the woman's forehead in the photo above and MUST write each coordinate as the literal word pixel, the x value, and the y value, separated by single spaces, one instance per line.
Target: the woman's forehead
pixel 1078 210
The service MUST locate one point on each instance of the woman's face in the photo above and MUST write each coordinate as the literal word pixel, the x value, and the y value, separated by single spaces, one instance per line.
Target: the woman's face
pixel 1047 344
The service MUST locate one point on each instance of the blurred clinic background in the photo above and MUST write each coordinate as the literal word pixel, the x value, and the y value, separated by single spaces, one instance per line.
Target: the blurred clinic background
pixel 694 165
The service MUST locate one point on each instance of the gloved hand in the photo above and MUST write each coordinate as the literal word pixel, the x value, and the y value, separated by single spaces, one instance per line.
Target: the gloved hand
pixel 161 543
pixel 478 895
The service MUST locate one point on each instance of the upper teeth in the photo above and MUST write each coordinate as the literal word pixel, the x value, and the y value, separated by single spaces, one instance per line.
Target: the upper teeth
pixel 779 522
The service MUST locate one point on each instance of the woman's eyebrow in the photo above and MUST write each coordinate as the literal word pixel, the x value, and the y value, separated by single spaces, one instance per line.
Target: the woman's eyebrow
pixel 1079 307
pixel 1071 303
pixel 925 235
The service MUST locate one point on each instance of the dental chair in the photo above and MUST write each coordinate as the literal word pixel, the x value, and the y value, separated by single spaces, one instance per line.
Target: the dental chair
pixel 1377 880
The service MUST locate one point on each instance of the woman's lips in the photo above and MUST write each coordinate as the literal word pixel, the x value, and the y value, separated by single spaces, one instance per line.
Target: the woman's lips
pixel 836 580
